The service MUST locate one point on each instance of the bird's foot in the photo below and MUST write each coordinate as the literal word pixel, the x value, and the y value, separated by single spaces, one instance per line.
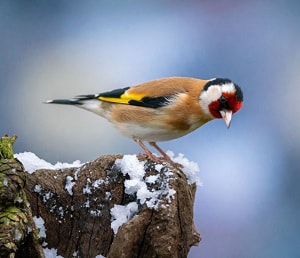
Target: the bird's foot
pixel 149 154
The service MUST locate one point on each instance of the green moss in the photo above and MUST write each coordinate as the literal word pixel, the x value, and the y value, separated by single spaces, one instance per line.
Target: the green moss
pixel 6 147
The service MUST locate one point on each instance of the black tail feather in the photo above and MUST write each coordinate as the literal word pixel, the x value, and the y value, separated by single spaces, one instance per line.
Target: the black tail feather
pixel 64 101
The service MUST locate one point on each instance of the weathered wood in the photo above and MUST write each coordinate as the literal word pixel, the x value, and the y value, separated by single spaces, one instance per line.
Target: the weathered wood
pixel 18 235
pixel 76 204
pixel 73 227
pixel 166 232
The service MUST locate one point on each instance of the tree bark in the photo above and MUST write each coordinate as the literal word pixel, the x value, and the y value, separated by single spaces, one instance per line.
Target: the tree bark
pixel 18 234
pixel 78 218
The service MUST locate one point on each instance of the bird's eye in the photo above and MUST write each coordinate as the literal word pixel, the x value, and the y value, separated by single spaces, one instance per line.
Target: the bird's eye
pixel 223 100
pixel 223 103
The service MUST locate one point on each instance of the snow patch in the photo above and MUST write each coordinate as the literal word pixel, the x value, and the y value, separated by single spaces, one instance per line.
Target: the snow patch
pixel 18 235
pixel 39 223
pixel 37 188
pixel 98 183
pixel 69 184
pixel 151 179
pixel 121 214
pixel 138 184
pixel 32 162
pixel 51 253
pixel 190 168
pixel 5 181
pixel 87 188
pixel 130 165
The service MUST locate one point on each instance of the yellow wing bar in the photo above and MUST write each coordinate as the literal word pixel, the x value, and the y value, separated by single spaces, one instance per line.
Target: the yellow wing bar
pixel 124 98
pixel 114 100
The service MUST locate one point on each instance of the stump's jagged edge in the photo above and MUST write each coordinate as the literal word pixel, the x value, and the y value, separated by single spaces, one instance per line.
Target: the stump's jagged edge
pixel 78 221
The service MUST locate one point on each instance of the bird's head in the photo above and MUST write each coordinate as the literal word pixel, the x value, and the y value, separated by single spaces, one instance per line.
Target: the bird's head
pixel 220 98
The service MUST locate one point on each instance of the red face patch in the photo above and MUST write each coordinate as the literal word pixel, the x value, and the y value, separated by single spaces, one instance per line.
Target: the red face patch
pixel 214 108
pixel 232 104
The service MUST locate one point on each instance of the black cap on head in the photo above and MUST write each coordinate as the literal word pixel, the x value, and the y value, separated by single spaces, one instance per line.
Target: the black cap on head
pixel 222 81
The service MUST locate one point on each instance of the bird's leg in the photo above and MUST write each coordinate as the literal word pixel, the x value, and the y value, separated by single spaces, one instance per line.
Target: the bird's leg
pixel 165 155
pixel 146 150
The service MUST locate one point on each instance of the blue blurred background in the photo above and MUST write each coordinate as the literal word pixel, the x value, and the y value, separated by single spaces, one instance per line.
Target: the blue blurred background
pixel 249 205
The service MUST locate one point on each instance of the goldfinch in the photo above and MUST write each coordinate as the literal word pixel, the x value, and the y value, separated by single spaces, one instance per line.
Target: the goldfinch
pixel 163 109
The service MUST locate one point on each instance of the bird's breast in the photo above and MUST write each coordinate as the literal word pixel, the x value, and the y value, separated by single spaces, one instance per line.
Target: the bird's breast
pixel 149 133
pixel 160 124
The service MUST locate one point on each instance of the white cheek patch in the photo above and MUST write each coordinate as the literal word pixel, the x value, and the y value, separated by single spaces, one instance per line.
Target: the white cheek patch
pixel 228 87
pixel 213 93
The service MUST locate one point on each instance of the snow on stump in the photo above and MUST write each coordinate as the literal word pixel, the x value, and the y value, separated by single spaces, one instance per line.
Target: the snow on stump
pixel 114 206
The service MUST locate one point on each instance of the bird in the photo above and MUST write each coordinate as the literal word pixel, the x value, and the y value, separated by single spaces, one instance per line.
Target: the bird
pixel 163 109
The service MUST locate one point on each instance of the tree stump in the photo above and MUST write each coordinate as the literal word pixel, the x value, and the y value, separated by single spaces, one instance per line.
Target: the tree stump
pixel 76 205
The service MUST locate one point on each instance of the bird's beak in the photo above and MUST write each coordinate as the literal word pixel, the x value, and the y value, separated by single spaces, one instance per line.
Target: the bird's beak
pixel 227 115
